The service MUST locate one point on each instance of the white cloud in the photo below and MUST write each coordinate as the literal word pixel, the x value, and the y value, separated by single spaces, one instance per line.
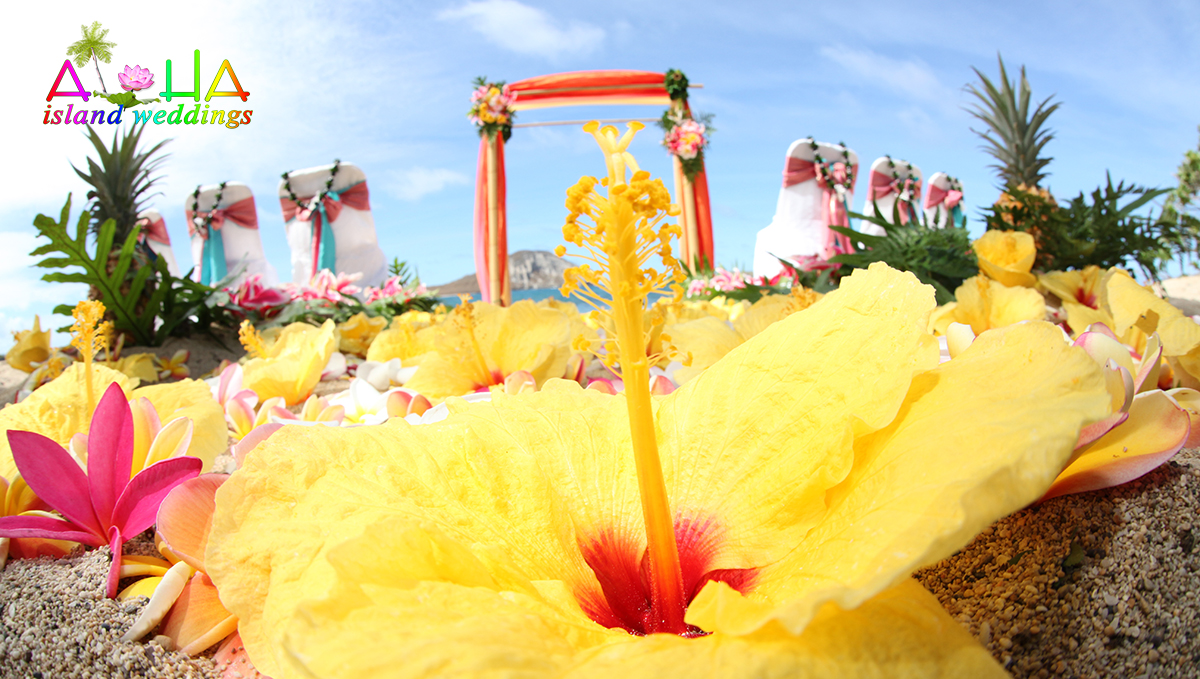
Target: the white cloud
pixel 420 181
pixel 526 30
pixel 910 78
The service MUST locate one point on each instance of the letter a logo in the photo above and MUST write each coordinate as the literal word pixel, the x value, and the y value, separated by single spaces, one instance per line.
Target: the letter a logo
pixel 81 92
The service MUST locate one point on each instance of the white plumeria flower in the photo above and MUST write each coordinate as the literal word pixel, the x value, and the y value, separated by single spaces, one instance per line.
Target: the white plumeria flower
pixel 384 376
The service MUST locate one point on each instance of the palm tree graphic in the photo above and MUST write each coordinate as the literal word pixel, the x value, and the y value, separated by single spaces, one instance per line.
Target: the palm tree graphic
pixel 92 46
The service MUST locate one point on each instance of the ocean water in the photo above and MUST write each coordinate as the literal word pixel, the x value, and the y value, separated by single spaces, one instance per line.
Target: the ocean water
pixel 517 295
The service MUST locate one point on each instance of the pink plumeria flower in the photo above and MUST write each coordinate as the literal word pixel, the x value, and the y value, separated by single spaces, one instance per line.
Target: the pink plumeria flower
pixel 255 296
pixel 326 286
pixel 103 506
pixel 229 386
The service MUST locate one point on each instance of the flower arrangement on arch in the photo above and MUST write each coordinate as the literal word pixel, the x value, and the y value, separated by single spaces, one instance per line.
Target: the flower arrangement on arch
pixel 491 107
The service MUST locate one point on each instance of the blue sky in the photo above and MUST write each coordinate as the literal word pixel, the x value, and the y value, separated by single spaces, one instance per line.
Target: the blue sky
pixel 386 85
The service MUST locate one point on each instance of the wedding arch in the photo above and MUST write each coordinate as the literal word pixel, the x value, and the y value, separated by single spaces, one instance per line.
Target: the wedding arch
pixel 493 107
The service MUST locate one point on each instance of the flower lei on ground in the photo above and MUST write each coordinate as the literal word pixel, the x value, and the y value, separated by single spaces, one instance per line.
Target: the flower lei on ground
pixel 684 135
pixel 491 108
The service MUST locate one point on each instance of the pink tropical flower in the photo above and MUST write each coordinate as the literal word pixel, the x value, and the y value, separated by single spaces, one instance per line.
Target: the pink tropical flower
pixel 253 295
pixel 101 506
pixel 393 289
pixel 136 78
pixel 686 139
pixel 328 287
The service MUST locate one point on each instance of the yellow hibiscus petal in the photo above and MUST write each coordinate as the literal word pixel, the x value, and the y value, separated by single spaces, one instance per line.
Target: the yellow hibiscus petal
pixel 57 410
pixel 1006 257
pixel 707 339
pixel 294 364
pixel 194 400
pixel 32 346
pixel 956 458
pixel 1156 429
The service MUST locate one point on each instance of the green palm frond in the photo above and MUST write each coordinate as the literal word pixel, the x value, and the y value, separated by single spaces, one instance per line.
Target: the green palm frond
pixel 1015 136
pixel 92 43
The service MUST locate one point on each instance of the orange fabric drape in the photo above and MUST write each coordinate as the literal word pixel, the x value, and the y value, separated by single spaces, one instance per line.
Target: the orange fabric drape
pixel 482 246
pixel 579 88
pixel 704 218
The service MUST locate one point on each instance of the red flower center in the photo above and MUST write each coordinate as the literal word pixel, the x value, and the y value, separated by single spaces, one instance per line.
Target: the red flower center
pixel 622 570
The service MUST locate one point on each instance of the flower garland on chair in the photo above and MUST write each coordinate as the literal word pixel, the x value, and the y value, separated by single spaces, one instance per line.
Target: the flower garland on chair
pixel 491 108
pixel 824 172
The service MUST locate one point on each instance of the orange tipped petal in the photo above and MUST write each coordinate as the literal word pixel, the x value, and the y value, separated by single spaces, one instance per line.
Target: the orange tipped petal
pixel 240 416
pixel 1156 429
pixel 332 414
pixel 398 402
pixel 603 386
pixel 198 620
pixel 233 662
pixel 576 368
pixel 661 385
pixel 418 405
pixel 185 516
pixel 1189 400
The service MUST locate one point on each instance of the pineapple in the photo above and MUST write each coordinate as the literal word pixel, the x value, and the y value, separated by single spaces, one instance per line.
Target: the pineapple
pixel 1015 136
pixel 121 184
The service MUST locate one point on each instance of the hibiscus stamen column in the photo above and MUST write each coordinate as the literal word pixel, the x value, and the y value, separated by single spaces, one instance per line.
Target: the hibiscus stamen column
pixel 625 234
pixel 90 333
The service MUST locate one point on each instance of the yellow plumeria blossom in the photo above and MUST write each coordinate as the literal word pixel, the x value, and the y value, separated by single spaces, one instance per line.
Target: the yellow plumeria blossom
pixel 984 304
pixel 1006 257
pixel 30 346
pixel 1077 287
pixel 479 344
pixel 809 472
pixel 292 366
pixel 59 411
pixel 707 339
pixel 356 334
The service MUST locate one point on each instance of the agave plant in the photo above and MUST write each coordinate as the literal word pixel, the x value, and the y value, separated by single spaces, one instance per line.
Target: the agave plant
pixel 92 46
pixel 121 180
pixel 1015 136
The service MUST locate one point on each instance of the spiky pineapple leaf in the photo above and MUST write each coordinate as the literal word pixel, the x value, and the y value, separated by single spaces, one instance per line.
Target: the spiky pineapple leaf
pixel 1015 137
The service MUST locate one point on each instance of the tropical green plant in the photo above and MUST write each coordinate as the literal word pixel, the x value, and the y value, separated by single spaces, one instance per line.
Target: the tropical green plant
pixel 1103 229
pixel 148 302
pixel 1015 136
pixel 121 180
pixel 92 46
pixel 1181 211
pixel 942 258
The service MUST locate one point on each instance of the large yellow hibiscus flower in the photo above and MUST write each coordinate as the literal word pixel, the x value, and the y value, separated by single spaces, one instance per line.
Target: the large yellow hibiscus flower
pixel 809 472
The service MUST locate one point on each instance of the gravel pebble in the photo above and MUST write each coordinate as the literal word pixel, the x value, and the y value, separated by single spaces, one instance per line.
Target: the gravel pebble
pixel 56 622
pixel 1092 585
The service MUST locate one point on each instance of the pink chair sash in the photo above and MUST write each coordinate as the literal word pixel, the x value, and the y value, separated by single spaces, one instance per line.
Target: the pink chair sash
pixel 939 196
pixel 356 196
pixel 155 230
pixel 882 185
pixel 242 213
pixel 833 210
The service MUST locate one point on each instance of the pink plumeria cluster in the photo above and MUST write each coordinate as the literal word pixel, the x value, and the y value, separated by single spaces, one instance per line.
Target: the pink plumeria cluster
pixel 492 104
pixel 723 280
pixel 255 296
pixel 326 286
pixel 686 139
pixel 393 290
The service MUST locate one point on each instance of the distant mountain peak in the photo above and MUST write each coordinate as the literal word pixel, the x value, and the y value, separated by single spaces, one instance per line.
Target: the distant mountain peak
pixel 527 270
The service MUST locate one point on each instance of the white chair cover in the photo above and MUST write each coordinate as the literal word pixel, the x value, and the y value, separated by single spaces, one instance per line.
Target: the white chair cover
pixel 154 233
pixel 943 201
pixel 243 246
pixel 354 234
pixel 894 171
pixel 798 228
